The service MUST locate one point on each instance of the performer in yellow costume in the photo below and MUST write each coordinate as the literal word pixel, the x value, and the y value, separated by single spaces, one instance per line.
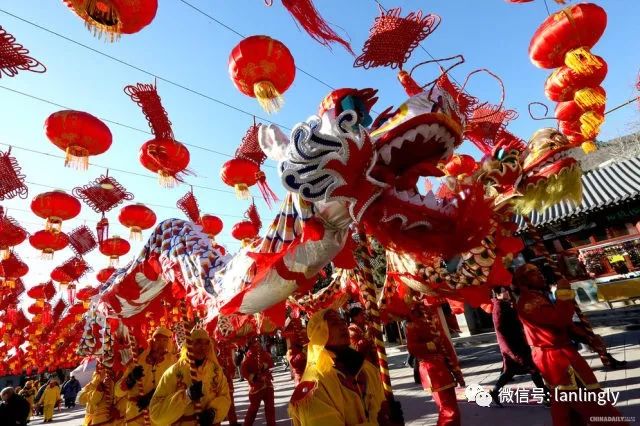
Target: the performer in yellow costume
pixel 339 387
pixel 102 407
pixel 175 398
pixel 151 365
pixel 49 399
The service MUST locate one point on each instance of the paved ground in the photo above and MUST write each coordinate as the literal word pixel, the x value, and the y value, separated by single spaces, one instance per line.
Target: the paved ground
pixel 481 364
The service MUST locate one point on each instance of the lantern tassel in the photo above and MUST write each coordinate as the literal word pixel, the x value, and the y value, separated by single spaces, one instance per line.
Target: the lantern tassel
pixel 101 19
pixel 268 96
pixel 4 253
pixel 166 180
pixel 47 254
pixel 113 261
pixel 590 123
pixel 242 191
pixel 76 157
pixel 582 61
pixel 588 147
pixel 590 98
pixel 53 224
pixel 269 196
pixel 135 234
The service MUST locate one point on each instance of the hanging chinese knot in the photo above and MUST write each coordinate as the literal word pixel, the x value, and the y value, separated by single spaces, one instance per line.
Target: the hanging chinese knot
pixel 79 134
pixel 11 177
pixel 262 68
pixel 189 205
pixel 163 154
pixel 14 57
pixel 244 171
pixel 102 194
pixel 392 38
pixel 564 41
pixel 114 17
pixel 82 240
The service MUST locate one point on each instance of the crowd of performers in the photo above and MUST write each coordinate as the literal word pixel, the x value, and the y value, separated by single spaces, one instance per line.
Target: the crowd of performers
pixel 334 367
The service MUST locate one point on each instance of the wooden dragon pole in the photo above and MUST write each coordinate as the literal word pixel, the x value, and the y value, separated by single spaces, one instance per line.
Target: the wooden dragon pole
pixel 197 407
pixel 373 312
pixel 134 358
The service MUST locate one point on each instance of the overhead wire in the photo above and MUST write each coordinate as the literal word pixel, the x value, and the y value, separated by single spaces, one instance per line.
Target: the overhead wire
pixel 222 24
pixel 145 71
pixel 22 148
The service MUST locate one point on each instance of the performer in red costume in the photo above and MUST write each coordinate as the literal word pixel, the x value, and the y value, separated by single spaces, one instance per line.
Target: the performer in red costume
pixel 516 353
pixel 358 335
pixel 547 327
pixel 256 369
pixel 439 368
pixel 296 335
pixel 226 357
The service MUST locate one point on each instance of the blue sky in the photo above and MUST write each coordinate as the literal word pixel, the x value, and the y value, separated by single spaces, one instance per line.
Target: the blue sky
pixel 186 47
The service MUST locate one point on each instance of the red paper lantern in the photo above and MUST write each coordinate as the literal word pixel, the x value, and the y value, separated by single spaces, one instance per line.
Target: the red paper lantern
pixel 245 231
pixel 11 235
pixel 566 36
pixel 42 291
pixel 55 207
pixel 114 247
pixel 461 165
pixel 166 157
pixel 263 68
pixel 211 225
pixel 104 274
pixel 563 83
pixel 137 217
pixel 79 135
pixel 49 242
pixel 240 174
pixel 114 17
pixel 60 276
pixel 14 269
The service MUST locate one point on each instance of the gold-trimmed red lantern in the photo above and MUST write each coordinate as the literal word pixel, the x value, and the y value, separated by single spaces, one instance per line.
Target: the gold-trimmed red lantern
pixel 245 231
pixel 563 83
pixel 60 276
pixel 11 235
pixel 114 247
pixel 49 242
pixel 263 68
pixel 79 134
pixel 114 17
pixel 166 157
pixel 211 225
pixel 137 217
pixel 56 207
pixel 104 274
pixel 566 37
pixel 12 269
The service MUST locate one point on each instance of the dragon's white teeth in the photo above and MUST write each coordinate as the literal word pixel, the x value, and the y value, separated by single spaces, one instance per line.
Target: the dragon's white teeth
pixel 403 195
pixel 385 154
pixel 430 201
pixel 416 199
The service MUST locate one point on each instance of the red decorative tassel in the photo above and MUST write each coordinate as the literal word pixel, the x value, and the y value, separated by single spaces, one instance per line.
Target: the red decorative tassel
pixel 102 229
pixel 253 216
pixel 305 13
pixel 269 196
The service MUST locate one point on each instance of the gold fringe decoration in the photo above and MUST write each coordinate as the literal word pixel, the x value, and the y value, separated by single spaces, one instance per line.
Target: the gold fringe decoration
pixel 582 61
pixel 100 17
pixel 590 123
pixel 590 98
pixel 53 224
pixel 4 253
pixel 566 185
pixel 268 96
pixel 76 157
pixel 135 234
pixel 166 180
pixel 242 191
pixel 47 254
pixel 588 147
